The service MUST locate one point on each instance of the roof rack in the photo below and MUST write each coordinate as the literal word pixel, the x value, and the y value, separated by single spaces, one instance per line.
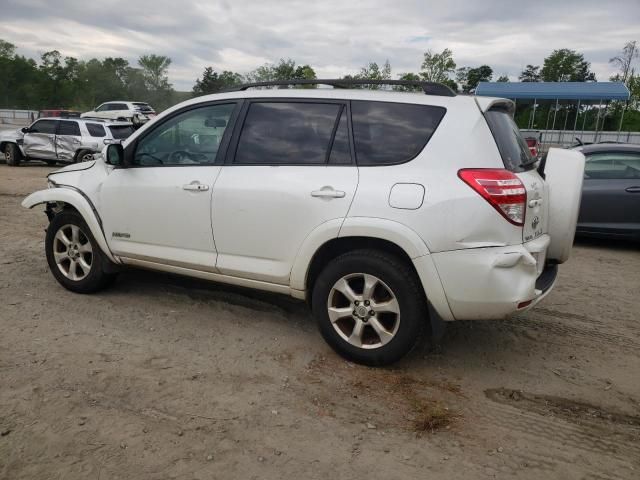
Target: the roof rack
pixel 430 88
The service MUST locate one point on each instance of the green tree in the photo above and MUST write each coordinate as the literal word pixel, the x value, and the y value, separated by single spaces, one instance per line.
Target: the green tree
pixel 503 79
pixel 409 77
pixel 624 61
pixel 468 78
pixel 566 65
pixel 531 73
pixel 212 81
pixel 437 67
pixel 7 49
pixel 154 72
pixel 282 71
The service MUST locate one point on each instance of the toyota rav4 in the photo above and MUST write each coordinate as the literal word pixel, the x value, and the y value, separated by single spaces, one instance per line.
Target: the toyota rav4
pixel 382 209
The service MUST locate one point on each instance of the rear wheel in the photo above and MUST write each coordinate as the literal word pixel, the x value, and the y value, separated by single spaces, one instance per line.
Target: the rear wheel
pixel 74 257
pixel 12 154
pixel 370 307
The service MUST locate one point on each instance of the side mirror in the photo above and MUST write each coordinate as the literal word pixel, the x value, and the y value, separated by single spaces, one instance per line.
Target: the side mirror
pixel 115 155
pixel 24 129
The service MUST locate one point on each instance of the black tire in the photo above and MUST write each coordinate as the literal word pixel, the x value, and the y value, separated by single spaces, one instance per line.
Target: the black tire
pixel 80 154
pixel 100 274
pixel 403 283
pixel 12 154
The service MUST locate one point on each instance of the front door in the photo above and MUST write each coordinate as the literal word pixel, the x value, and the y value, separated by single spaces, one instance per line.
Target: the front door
pixel 159 209
pixel 290 171
pixel 39 140
pixel 68 140
pixel 611 192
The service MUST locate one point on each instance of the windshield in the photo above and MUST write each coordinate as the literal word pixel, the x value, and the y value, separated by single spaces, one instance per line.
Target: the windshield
pixel 121 131
pixel 513 148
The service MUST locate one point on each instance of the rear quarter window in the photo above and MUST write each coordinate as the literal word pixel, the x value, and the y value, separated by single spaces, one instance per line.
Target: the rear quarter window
pixel 120 131
pixel 390 133
pixel 513 148
pixel 96 130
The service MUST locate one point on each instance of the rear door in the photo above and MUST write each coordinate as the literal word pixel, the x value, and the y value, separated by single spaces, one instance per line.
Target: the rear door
pixel 611 193
pixel 517 158
pixel 289 171
pixel 39 141
pixel 68 140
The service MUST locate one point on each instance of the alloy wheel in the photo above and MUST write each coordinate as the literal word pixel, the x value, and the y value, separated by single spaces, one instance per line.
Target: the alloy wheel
pixel 72 252
pixel 363 310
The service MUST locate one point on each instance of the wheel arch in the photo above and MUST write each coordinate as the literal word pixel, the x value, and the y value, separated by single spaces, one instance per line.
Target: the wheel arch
pixel 72 198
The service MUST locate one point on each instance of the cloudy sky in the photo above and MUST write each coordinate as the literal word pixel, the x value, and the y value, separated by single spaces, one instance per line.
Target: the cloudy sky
pixel 335 37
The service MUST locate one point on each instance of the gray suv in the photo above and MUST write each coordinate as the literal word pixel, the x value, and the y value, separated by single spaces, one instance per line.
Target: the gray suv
pixel 61 140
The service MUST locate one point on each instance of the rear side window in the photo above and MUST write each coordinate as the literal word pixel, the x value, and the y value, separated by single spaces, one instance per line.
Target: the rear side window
pixel 340 152
pixel 121 131
pixel 281 133
pixel 68 128
pixel 118 106
pixel 513 148
pixel 390 133
pixel 96 130
pixel 44 126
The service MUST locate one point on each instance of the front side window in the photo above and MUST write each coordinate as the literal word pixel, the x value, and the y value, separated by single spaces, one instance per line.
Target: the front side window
pixel 390 133
pixel 68 128
pixel 103 107
pixel 612 165
pixel 44 126
pixel 283 133
pixel 190 138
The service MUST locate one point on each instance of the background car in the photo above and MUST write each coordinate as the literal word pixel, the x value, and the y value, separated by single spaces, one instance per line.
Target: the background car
pixel 134 112
pixel 62 113
pixel 60 140
pixel 611 191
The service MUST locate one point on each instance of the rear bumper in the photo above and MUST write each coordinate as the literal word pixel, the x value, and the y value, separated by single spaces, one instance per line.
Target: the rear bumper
pixel 495 282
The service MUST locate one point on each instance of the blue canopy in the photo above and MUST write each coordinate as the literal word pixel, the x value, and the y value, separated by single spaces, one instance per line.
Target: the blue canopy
pixel 589 91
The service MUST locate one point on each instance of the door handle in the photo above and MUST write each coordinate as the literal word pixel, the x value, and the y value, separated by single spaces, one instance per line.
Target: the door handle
pixel 195 186
pixel 632 189
pixel 328 192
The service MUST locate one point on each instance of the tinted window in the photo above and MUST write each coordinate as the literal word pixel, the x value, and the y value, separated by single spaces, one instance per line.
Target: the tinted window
pixel 612 166
pixel 278 133
pixel 514 151
pixel 103 107
pixel 96 130
pixel 68 128
pixel 388 133
pixel 190 138
pixel 44 126
pixel 121 131
pixel 340 152
pixel 118 106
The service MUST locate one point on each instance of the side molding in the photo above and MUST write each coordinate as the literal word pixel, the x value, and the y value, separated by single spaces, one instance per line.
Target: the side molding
pixel 80 203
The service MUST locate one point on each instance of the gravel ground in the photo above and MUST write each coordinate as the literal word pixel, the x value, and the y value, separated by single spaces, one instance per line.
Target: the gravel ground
pixel 165 377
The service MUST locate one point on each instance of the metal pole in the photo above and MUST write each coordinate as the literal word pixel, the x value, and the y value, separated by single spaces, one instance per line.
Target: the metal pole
pixel 595 135
pixel 564 127
pixel 621 118
pixel 532 117
pixel 555 112
pixel 575 122
pixel 584 120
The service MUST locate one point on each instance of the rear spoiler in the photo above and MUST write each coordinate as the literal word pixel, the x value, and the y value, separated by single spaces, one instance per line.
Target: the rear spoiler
pixel 487 103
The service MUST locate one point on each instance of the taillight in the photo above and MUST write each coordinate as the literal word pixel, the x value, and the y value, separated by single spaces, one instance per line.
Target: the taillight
pixel 501 188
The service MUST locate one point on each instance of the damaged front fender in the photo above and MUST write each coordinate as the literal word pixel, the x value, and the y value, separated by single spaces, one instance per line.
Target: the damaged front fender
pixel 76 199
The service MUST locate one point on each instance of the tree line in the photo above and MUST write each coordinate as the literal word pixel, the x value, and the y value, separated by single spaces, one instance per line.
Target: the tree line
pixel 56 81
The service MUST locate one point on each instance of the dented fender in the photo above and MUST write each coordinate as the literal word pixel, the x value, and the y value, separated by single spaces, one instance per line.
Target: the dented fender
pixel 81 203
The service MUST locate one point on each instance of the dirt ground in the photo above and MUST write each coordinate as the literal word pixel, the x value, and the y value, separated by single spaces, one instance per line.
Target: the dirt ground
pixel 164 377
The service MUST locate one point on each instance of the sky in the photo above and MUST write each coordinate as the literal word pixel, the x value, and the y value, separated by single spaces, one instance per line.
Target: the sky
pixel 335 37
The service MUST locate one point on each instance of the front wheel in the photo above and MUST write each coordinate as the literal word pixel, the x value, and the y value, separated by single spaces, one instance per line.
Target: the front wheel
pixel 84 156
pixel 370 307
pixel 73 255
pixel 12 154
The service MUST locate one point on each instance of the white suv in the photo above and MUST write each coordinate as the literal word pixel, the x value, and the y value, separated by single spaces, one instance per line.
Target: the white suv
pixel 382 209
pixel 134 112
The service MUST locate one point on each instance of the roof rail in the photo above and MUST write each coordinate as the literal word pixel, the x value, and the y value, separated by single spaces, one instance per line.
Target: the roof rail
pixel 430 88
